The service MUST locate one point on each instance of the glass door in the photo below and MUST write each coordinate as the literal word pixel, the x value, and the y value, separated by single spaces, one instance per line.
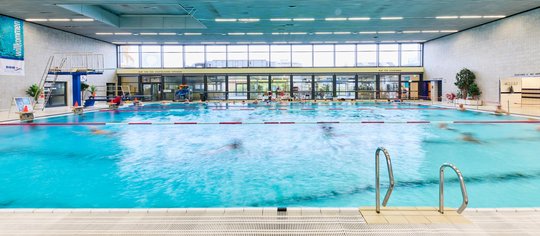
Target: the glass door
pixel 409 86
pixel 151 91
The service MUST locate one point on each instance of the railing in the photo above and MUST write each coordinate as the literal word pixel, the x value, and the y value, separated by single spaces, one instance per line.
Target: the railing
pixel 441 189
pixel 377 183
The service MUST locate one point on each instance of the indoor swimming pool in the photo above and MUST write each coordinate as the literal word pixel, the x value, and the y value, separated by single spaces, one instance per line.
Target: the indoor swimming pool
pixel 294 155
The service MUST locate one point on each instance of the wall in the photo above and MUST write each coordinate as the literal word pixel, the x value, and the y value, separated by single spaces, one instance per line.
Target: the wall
pixel 40 43
pixel 493 51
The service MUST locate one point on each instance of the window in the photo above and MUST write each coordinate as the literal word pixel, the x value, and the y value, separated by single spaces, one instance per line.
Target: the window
pixel 237 56
pixel 58 95
pixel 216 87
pixel 280 55
pixel 129 85
pixel 345 86
pixel 366 55
pixel 196 85
pixel 411 55
pixel 367 86
pixel 172 57
pixel 172 84
pixel 258 85
pixel 302 86
pixel 194 56
pixel 324 87
pixel 237 87
pixel 345 55
pixel 389 86
pixel 151 56
pixel 323 55
pixel 302 55
pixel 280 84
pixel 216 56
pixel 259 55
pixel 389 55
pixel 129 56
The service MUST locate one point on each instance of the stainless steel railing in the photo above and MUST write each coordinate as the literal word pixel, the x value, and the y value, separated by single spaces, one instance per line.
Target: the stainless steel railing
pixel 377 183
pixel 441 188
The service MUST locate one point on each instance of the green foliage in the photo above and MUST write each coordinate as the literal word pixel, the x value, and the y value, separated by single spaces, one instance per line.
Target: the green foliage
pixel 92 89
pixel 474 91
pixel 465 81
pixel 33 91
pixel 84 87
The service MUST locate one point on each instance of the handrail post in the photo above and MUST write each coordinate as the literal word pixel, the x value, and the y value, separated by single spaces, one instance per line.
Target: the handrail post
pixel 377 181
pixel 461 183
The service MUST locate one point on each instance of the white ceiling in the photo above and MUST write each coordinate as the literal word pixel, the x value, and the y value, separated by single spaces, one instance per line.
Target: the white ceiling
pixel 198 16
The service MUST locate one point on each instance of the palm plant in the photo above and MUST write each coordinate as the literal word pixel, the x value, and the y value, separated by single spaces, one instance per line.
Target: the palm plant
pixel 33 91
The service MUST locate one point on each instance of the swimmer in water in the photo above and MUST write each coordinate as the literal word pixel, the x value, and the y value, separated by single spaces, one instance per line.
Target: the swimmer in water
pixel 461 107
pixel 468 137
pixel 445 126
pixel 328 130
pixel 499 111
pixel 97 131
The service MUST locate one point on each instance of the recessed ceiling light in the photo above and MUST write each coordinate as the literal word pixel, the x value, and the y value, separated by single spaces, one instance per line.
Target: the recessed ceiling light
pixel 60 19
pixel 470 17
pixel 295 42
pixel 359 18
pixel 388 41
pixel 118 42
pixel 122 33
pixel 342 32
pixel 82 20
pixel 192 34
pixel 150 43
pixel 392 18
pixel 225 20
pixel 367 32
pixel 297 33
pixel 104 33
pixel 386 32
pixel 446 17
pixel 430 31
pixel 171 42
pixel 36 20
pixel 449 31
pixel 236 34
pixel 280 42
pixel 303 19
pixel 148 33
pixel 280 19
pixel 258 42
pixel 280 33
pixel 494 16
pixel 249 20
pixel 352 41
pixel 167 33
pixel 134 42
pixel 336 19
pixel 322 33
pixel 254 33
pixel 411 31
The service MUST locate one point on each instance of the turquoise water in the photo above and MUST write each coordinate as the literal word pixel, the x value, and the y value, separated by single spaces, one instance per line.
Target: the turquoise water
pixel 312 165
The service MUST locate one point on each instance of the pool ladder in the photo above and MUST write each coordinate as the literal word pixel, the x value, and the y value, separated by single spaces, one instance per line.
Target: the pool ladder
pixel 391 186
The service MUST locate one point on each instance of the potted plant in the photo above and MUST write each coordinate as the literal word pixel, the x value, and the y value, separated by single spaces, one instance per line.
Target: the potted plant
pixel 92 90
pixel 33 91
pixel 465 81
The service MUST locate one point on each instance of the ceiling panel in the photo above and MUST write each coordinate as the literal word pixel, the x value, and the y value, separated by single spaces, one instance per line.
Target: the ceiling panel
pixel 419 21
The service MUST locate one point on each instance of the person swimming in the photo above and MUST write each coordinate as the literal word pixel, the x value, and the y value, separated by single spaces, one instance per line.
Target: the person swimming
pixel 97 131
pixel 461 107
pixel 499 111
pixel 468 137
pixel 445 127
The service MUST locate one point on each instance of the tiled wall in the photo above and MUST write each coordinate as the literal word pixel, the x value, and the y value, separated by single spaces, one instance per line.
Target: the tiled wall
pixel 494 51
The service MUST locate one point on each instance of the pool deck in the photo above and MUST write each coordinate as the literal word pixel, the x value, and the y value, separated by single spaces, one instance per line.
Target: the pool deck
pixel 268 221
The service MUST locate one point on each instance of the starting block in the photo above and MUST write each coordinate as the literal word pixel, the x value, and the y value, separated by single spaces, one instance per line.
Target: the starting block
pixel 78 110
pixel 26 116
pixel 113 106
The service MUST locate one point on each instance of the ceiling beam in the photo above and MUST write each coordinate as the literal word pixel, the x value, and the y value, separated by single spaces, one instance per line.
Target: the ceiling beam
pixel 95 12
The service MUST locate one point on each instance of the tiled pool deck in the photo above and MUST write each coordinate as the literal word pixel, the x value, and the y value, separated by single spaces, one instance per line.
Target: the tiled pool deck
pixel 268 221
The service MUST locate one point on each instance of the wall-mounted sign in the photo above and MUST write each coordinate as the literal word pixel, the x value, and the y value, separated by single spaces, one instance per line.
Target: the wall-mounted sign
pixel 11 46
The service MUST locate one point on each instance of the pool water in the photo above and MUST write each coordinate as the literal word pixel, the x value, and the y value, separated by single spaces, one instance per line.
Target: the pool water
pixel 258 165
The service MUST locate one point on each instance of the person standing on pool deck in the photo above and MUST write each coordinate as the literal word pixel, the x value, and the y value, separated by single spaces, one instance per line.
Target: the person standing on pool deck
pixel 117 100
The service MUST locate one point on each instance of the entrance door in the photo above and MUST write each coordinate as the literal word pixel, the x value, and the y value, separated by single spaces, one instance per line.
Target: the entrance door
pixel 151 91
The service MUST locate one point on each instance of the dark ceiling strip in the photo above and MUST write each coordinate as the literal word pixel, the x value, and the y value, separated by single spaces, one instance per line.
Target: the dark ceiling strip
pixel 476 26
pixel 50 27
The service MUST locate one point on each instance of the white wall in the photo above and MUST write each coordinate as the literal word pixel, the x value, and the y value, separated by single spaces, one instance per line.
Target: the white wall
pixel 40 43
pixel 493 51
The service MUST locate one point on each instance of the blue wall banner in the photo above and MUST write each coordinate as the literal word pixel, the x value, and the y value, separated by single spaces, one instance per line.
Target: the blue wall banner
pixel 11 46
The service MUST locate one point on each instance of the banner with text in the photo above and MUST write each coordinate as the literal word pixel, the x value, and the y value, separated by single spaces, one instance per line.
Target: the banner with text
pixel 11 46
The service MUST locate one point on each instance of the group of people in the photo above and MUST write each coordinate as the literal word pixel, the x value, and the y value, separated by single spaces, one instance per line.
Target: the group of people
pixel 499 111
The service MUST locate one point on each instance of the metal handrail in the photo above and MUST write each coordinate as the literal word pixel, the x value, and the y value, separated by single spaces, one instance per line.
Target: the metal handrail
pixel 377 183
pixel 441 188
